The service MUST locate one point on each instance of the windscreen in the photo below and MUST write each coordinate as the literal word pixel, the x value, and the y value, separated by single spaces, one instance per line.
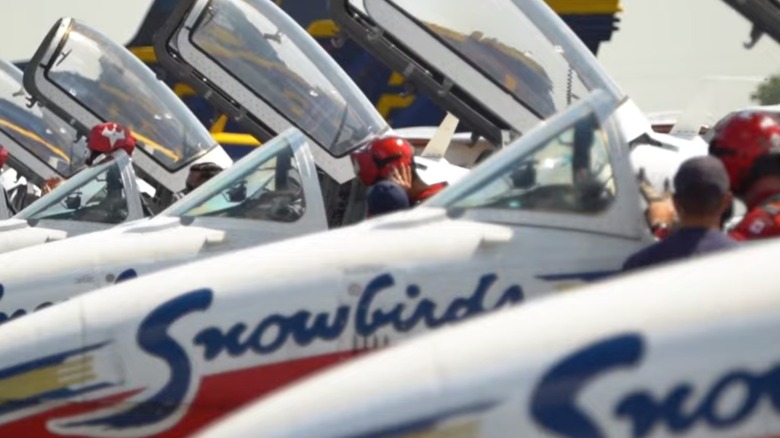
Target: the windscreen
pixel 36 129
pixel 570 173
pixel 110 82
pixel 563 167
pixel 500 40
pixel 268 52
pixel 94 195
pixel 266 185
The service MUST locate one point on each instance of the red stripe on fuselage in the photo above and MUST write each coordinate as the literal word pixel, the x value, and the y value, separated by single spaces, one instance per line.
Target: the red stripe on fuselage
pixel 35 425
pixel 217 395
pixel 226 392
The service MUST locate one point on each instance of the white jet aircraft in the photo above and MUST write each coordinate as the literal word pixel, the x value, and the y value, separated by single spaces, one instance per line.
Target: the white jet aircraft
pixel 85 78
pixel 559 208
pixel 169 352
pixel 683 350
pixel 274 193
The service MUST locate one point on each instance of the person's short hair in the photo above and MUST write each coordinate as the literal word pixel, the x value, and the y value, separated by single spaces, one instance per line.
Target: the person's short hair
pixel 386 197
pixel 700 185
pixel 207 170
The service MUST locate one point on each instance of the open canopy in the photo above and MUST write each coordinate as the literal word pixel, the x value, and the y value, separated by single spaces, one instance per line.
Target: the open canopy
pixel 83 76
pixel 36 138
pixel 254 62
pixel 496 64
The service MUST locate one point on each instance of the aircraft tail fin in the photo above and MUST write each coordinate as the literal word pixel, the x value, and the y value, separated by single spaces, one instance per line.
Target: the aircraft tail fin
pixel 691 120
pixel 440 142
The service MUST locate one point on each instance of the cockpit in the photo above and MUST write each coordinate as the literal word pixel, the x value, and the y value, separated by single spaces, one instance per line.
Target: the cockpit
pixel 266 187
pixel 569 172
pixel 572 173
pixel 98 195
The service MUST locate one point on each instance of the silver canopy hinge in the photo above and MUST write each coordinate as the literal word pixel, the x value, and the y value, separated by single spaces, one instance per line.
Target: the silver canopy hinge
pixel 445 88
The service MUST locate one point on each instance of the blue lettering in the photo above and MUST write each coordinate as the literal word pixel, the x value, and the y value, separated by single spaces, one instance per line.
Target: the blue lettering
pixel 645 412
pixel 272 333
pixel 4 317
pixel 277 329
pixel 43 306
pixel 154 339
pixel 126 275
pixel 554 401
pixel 214 341
pixel 367 323
pixel 304 335
pixel 302 328
pixel 511 296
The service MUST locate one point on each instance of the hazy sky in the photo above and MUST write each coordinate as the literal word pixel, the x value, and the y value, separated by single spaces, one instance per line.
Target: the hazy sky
pixel 26 22
pixel 666 53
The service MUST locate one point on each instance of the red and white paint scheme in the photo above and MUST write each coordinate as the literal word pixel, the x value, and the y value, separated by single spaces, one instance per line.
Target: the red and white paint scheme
pixel 168 352
pixel 683 350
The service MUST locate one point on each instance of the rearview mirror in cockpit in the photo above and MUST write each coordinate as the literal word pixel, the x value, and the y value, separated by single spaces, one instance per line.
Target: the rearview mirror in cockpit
pixel 73 202
pixel 237 193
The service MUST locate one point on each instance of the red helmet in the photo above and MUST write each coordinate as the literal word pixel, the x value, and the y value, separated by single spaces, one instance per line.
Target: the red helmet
pixel 742 138
pixel 105 138
pixel 3 155
pixel 380 157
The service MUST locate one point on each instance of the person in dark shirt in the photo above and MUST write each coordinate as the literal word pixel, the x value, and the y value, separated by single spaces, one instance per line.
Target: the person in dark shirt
pixel 701 196
pixel 386 197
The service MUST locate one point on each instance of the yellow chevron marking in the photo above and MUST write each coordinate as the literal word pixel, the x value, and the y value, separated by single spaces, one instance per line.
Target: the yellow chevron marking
pixel 465 430
pixel 43 380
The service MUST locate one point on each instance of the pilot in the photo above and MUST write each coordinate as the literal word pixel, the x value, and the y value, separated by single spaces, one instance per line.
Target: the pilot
pixel 105 138
pixel 385 166
pixel 50 184
pixel 199 174
pixel 748 144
